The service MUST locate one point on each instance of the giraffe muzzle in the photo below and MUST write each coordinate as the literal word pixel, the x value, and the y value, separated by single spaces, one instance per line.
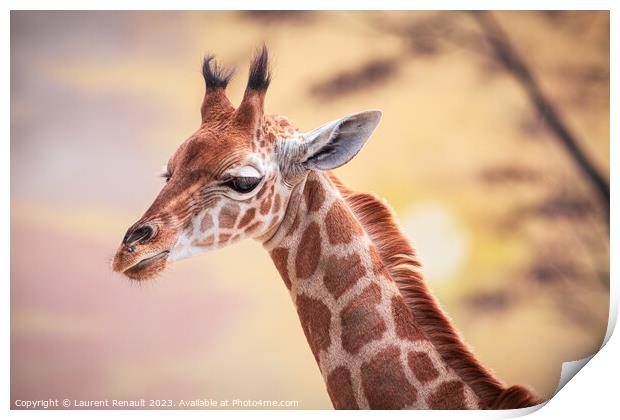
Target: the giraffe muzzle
pixel 143 252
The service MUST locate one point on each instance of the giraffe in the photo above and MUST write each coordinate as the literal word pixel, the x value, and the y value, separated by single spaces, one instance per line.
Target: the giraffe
pixel 379 337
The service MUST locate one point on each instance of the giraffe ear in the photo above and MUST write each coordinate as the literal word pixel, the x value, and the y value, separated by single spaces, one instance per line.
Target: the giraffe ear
pixel 337 142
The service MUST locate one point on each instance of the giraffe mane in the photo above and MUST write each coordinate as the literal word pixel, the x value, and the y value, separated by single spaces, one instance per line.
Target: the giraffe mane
pixel 379 222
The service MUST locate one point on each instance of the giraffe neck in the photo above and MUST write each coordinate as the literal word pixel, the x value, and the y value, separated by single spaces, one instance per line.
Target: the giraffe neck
pixel 369 348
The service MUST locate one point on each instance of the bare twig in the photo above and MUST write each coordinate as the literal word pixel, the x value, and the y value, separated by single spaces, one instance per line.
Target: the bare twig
pixel 508 56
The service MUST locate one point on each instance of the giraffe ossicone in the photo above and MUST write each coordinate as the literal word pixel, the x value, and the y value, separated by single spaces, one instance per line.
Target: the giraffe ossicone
pixel 378 336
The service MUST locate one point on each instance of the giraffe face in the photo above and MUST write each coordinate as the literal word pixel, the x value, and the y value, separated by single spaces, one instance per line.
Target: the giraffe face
pixel 244 197
pixel 222 185
pixel 232 179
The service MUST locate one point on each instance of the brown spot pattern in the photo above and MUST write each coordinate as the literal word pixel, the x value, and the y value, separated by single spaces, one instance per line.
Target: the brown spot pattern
pixel 228 216
pixel 277 202
pixel 264 189
pixel 224 237
pixel 277 126
pixel 384 382
pixel 342 273
pixel 248 216
pixel 340 389
pixel 315 319
pixel 280 259
pixel 208 241
pixel 340 224
pixel 360 320
pixel 377 264
pixel 448 396
pixel 309 252
pixel 207 223
pixel 252 227
pixel 422 366
pixel 266 205
pixel 404 321
pixel 294 225
pixel 314 195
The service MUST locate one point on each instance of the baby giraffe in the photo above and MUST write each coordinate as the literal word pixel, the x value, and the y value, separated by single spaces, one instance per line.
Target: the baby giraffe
pixel 380 339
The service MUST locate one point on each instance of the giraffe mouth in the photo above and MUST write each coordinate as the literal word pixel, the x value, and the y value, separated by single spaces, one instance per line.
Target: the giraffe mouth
pixel 148 267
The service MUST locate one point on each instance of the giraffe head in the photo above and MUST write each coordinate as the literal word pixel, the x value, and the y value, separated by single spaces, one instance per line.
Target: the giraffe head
pixel 232 179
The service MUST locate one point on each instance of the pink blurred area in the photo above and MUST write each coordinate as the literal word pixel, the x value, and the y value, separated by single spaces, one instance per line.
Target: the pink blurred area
pixel 99 102
pixel 76 332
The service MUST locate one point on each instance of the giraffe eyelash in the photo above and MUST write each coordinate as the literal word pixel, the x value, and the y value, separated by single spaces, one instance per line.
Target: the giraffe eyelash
pixel 243 184
pixel 166 175
pixel 165 172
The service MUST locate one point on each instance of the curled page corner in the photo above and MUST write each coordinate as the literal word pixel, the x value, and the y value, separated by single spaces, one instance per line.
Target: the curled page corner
pixel 571 368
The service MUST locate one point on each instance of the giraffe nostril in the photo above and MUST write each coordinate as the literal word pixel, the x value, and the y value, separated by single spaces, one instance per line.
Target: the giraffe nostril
pixel 142 234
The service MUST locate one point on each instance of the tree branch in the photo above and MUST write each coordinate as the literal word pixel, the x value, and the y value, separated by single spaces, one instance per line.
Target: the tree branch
pixel 508 56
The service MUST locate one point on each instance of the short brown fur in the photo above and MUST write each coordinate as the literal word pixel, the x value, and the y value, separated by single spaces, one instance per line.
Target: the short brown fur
pixel 397 254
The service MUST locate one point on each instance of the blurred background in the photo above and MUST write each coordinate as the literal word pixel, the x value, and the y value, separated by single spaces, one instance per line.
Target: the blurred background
pixel 511 228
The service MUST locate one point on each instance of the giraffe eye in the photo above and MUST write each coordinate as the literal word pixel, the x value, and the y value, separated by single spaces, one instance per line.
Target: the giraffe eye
pixel 243 184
